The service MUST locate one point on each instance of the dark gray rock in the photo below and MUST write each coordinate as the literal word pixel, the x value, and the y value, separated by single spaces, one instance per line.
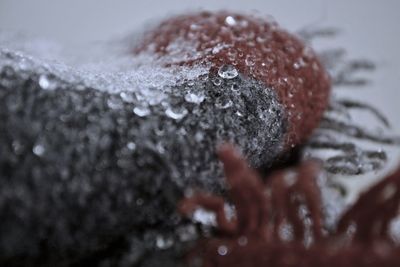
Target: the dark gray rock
pixel 86 174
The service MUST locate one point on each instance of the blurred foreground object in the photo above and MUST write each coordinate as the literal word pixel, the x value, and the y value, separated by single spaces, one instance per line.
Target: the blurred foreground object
pixel 279 223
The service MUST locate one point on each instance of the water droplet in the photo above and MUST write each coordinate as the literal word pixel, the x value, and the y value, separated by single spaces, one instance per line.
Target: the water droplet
pixel 290 178
pixel 204 217
pixel 286 232
pixel 47 83
pixel 176 113
pixel 239 114
pixel 231 21
pixel 261 39
pixel 127 97
pixel 217 81
pixel 17 147
pixel 187 233
pixel 131 146
pixel 38 150
pixel 250 61
pixel 264 116
pixel 223 103
pixel 114 103
pixel 232 54
pixel 164 243
pixel 160 147
pixel 199 136
pixel 194 98
pixel 194 27
pixel 235 87
pixel 222 250
pixel 228 72
pixel 242 241
pixel 139 202
pixel 299 64
pixel 217 49
pixel 389 191
pixel 142 111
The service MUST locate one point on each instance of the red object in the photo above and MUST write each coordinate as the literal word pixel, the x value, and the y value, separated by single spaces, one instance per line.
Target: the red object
pixel 259 49
pixel 254 238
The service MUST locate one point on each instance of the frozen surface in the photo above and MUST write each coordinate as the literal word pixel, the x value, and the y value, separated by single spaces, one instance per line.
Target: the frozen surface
pixel 49 68
pixel 115 141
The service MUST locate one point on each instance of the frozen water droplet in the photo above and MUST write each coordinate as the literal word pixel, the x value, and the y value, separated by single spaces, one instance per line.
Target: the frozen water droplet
pixel 194 27
pixel 194 98
pixel 142 111
pixel 176 113
pixel 17 146
pixel 164 242
pixel 204 217
pixel 228 72
pixel 231 21
pixel 131 146
pixel 126 97
pixel 290 178
pixel 38 150
pixel 139 201
pixel 47 83
pixel 114 103
pixel 264 116
pixel 199 136
pixel 235 87
pixel 187 233
pixel 242 241
pixel 261 39
pixel 239 114
pixel 389 191
pixel 299 64
pixel 244 23
pixel 286 232
pixel 223 103
pixel 217 49
pixel 250 61
pixel 217 81
pixel 222 250
pixel 160 148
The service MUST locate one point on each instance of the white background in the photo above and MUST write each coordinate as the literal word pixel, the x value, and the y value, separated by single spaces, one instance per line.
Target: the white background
pixel 370 28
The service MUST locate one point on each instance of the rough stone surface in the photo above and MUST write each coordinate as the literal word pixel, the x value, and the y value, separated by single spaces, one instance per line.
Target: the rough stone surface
pixel 92 162
pixel 258 48
pixel 82 168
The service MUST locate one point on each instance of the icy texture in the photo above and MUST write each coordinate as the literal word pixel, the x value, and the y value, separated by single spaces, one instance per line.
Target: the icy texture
pixel 354 140
pixel 253 45
pixel 96 152
pixel 93 155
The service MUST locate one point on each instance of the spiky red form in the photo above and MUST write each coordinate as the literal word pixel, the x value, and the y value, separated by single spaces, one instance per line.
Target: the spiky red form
pixel 259 49
pixel 255 237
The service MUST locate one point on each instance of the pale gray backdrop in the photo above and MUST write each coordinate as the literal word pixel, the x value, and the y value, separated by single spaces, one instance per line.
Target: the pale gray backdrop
pixel 370 28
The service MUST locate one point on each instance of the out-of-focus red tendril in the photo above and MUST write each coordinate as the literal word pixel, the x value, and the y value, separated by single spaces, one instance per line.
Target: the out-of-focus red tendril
pixel 278 222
